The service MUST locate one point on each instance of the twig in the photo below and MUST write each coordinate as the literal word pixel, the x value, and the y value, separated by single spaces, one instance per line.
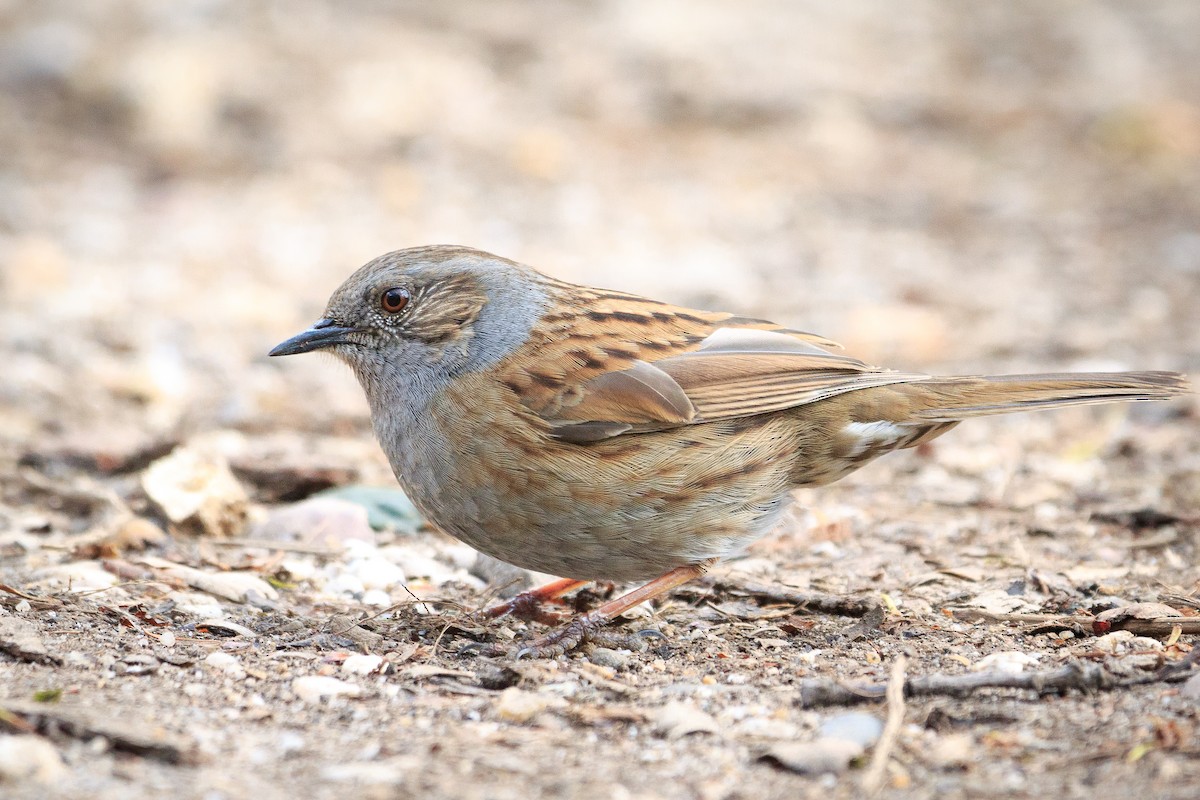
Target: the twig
pixel 1076 675
pixel 1154 626
pixel 40 603
pixel 976 614
pixel 270 544
pixel 808 601
pixel 873 779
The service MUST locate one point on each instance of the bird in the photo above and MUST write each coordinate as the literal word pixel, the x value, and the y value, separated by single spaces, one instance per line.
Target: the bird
pixel 597 435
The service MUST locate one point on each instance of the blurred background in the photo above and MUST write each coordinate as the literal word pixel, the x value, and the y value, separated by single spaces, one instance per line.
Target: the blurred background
pixel 950 187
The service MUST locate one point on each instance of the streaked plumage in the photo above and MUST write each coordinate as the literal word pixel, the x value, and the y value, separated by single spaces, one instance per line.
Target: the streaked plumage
pixel 599 435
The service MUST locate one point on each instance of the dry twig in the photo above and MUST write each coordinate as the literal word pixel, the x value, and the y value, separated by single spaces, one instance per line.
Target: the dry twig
pixel 808 601
pixel 1141 626
pixel 873 779
pixel 1075 675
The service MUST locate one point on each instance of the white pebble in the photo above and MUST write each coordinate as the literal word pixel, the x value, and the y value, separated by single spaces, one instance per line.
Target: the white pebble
pixel 375 573
pixel 376 597
pixel 29 758
pixel 225 663
pixel 362 664
pixel 519 705
pixel 315 688
pixel 345 583
pixel 1009 662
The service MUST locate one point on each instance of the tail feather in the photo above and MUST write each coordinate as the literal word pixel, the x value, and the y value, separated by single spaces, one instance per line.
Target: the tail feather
pixel 953 399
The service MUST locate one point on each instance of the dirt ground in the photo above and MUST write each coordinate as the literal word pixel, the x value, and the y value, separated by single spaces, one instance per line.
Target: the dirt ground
pixel 945 187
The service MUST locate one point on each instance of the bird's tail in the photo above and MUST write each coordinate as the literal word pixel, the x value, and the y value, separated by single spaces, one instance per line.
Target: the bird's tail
pixel 954 399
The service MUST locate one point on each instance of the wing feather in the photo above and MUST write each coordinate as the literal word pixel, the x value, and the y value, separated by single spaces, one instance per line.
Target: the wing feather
pixel 630 365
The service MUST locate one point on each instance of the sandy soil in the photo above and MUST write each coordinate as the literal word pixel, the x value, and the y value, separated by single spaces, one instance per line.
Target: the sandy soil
pixel 950 188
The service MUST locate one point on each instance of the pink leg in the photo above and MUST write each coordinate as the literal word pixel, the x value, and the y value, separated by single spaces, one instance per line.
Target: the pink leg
pixel 567 637
pixel 528 604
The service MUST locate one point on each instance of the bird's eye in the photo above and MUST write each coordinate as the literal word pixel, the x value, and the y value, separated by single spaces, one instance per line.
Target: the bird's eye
pixel 394 300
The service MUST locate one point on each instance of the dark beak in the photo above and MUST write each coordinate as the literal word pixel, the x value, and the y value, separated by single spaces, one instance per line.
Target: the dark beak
pixel 324 333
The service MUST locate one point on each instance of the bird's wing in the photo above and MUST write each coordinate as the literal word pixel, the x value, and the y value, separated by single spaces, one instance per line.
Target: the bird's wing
pixel 628 365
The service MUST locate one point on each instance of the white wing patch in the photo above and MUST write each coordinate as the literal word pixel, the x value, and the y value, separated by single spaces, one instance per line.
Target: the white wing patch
pixel 875 436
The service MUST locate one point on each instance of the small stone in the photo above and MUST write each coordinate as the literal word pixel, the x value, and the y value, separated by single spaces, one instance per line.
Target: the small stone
pixel 1191 688
pixel 519 705
pixel 386 507
pixel 196 490
pixel 345 583
pixel 1009 662
pixel 607 657
pixel 318 521
pixel 79 576
pixel 508 579
pixel 29 758
pixel 954 751
pixel 376 597
pixel 1115 642
pixel 862 729
pixel 676 720
pixel 136 664
pixel 22 639
pixel 761 728
pixel 362 664
pixel 814 758
pixel 376 573
pixel 315 688
pixel 224 662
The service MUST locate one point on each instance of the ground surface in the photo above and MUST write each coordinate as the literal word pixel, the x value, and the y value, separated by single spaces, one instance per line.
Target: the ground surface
pixel 958 189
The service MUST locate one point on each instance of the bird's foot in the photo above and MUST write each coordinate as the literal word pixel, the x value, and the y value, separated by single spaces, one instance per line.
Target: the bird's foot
pixel 584 628
pixel 530 605
pixel 587 627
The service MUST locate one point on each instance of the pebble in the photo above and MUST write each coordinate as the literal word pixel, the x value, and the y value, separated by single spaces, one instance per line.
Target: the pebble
pixel 815 758
pixel 1009 662
pixel 359 664
pixel 80 576
pixel 862 729
pixel 955 750
pixel 763 728
pixel 29 758
pixel 319 521
pixel 315 688
pixel 519 705
pixel 418 560
pixel 226 663
pixel 376 597
pixel 1115 642
pixel 1191 688
pixel 386 507
pixel 194 487
pixel 676 720
pixel 345 583
pixel 376 573
pixel 607 657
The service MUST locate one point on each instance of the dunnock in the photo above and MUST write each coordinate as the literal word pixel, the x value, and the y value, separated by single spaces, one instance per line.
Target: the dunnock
pixel 598 435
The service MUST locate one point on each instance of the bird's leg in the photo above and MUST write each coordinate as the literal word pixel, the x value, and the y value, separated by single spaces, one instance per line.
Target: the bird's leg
pixel 569 636
pixel 528 604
